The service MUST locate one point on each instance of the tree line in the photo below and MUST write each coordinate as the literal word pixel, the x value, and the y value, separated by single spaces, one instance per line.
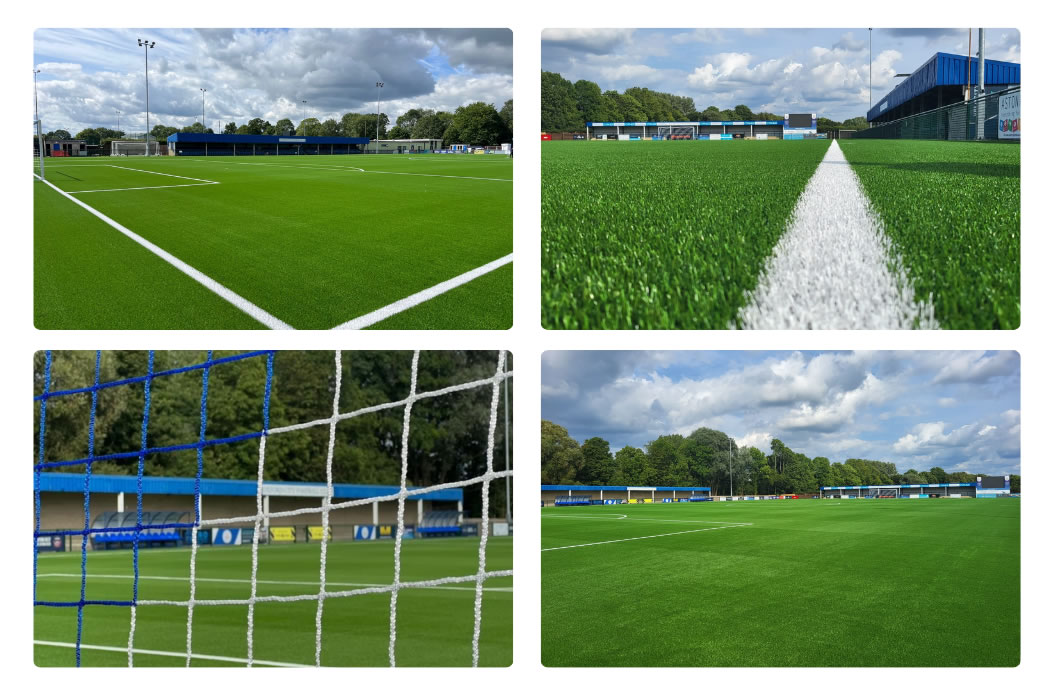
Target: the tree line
pixel 568 106
pixel 708 457
pixel 477 124
pixel 448 438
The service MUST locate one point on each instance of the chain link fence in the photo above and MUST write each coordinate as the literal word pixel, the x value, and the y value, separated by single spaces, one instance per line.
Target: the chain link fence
pixel 976 119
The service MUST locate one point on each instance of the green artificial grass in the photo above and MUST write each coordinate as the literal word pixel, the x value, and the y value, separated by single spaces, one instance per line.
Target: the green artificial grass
pixel 808 583
pixel 311 239
pixel 434 626
pixel 483 303
pixel 953 211
pixel 661 235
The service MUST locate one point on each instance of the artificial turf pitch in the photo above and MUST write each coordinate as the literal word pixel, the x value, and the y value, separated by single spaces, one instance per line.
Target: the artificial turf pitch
pixel 435 626
pixel 314 241
pixel 806 583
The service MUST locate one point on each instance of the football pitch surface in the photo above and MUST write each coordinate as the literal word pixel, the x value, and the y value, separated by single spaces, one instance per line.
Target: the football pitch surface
pixel 783 583
pixel 676 235
pixel 378 241
pixel 435 626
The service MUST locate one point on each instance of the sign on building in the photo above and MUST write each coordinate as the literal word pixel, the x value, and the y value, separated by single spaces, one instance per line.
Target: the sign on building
pixel 1010 116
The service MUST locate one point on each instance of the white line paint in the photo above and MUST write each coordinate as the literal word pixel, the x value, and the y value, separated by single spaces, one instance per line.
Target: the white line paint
pixel 419 297
pixel 647 520
pixel 646 537
pixel 154 172
pixel 259 314
pixel 272 582
pixel 175 654
pixel 834 267
pixel 155 187
pixel 361 170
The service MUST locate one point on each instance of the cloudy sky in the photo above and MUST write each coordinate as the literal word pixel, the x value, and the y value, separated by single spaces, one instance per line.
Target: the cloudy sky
pixel 775 70
pixel 955 410
pixel 89 74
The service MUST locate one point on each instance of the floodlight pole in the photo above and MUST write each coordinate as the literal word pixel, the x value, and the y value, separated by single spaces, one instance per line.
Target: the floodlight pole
pixel 379 86
pixel 869 69
pixel 39 129
pixel 304 117
pixel 203 90
pixel 118 120
pixel 146 46
pixel 730 467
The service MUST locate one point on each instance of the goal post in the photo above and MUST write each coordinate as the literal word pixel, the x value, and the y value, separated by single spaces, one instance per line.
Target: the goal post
pixel 40 145
pixel 134 148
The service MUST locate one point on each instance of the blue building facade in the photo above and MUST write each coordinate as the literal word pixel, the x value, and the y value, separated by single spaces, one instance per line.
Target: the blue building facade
pixel 941 81
pixel 186 144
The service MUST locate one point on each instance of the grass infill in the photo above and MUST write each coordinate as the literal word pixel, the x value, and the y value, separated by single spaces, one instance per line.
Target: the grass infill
pixel 807 583
pixel 434 627
pixel 663 234
pixel 953 212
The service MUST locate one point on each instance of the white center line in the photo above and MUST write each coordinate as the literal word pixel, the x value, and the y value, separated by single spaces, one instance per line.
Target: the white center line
pixel 834 268
pixel 646 537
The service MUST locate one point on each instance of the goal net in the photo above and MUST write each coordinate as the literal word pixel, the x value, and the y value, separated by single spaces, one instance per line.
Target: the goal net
pixel 134 148
pixel 677 133
pixel 400 404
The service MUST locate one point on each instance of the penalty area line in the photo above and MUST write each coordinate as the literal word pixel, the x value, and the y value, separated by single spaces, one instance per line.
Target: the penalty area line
pixel 645 537
pixel 419 297
pixel 172 654
pixel 259 314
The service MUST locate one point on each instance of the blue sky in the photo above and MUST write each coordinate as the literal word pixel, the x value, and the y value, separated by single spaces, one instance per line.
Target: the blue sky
pixel 89 74
pixel 774 70
pixel 921 409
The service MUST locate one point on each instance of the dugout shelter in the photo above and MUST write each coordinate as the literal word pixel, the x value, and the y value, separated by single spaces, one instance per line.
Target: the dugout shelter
pixel 791 127
pixel 168 507
pixel 573 495
pixel 187 144
pixel 959 490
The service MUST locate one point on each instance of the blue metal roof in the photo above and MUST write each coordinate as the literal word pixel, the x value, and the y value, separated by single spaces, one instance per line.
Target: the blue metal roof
pixel 945 69
pixel 178 486
pixel 574 487
pixel 736 123
pixel 248 138
pixel 889 486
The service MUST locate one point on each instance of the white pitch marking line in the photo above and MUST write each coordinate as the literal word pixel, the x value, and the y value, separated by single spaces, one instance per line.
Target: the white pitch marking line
pixel 259 314
pixel 154 172
pixel 352 168
pixel 834 267
pixel 651 520
pixel 645 537
pixel 176 654
pixel 155 187
pixel 312 584
pixel 419 297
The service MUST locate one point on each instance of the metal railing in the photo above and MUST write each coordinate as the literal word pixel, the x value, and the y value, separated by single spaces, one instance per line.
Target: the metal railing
pixel 963 121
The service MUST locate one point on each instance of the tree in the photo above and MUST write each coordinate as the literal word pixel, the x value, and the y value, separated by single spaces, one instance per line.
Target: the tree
pixel 309 127
pixel 589 101
pixel 506 115
pixel 744 113
pixel 230 128
pixel 631 465
pixel 195 128
pixel 940 476
pixel 330 127
pixel 432 126
pixel 560 455
pixel 1015 483
pixel 478 124
pixel 407 121
pixel 399 132
pixel 598 463
pixel 161 132
pixel 711 114
pixel 283 127
pixel 858 123
pixel 57 135
pixel 558 111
